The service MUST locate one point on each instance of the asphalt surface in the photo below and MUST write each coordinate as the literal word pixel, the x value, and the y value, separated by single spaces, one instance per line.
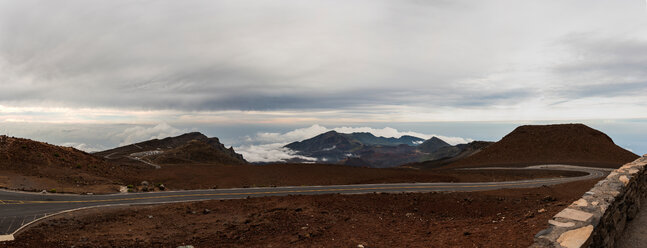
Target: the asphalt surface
pixel 635 233
pixel 19 209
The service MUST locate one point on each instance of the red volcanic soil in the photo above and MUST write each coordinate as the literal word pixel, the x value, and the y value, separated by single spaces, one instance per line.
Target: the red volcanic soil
pixel 205 176
pixel 31 165
pixel 575 144
pixel 501 218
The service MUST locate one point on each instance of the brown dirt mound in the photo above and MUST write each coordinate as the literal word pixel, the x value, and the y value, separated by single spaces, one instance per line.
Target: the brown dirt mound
pixel 540 144
pixel 61 166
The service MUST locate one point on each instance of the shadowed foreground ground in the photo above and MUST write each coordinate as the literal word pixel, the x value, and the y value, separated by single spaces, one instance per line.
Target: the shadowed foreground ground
pixel 500 218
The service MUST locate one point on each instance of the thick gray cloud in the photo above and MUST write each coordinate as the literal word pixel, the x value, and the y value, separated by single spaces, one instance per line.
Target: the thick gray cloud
pixel 301 55
pixel 604 66
pixel 97 74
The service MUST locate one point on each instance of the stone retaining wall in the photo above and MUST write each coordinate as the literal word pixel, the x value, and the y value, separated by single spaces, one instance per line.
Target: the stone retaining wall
pixel 599 217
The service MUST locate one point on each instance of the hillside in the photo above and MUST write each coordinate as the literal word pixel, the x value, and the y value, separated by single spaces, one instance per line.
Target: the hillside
pixel 545 144
pixel 334 142
pixel 329 146
pixel 32 163
pixel 370 139
pixel 432 145
pixel 196 151
pixel 449 154
pixel 372 151
pixel 192 147
pixel 389 156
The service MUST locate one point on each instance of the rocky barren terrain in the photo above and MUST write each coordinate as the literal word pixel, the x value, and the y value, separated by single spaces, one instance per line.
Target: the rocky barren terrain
pixel 501 218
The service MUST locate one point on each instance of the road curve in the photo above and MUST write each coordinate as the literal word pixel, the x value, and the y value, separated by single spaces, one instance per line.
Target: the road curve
pixel 19 209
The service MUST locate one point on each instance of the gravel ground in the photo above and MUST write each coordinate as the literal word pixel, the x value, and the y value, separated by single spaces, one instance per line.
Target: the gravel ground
pixel 501 218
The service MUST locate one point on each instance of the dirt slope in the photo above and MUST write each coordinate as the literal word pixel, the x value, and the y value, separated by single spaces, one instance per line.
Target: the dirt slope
pixel 450 154
pixel 196 151
pixel 60 166
pixel 538 144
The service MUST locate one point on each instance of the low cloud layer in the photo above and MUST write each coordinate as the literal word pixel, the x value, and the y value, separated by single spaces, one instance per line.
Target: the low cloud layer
pixel 85 147
pixel 273 152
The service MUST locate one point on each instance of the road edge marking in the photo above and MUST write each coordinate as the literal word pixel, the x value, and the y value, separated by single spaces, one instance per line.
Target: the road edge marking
pixel 45 216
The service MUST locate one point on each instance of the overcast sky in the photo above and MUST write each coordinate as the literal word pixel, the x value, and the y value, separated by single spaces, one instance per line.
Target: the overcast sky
pixel 191 63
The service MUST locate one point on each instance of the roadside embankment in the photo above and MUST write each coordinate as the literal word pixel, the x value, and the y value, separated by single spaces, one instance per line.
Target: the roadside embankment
pixel 600 216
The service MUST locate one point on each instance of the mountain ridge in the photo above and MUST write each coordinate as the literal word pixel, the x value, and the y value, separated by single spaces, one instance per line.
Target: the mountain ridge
pixel 366 149
pixel 205 150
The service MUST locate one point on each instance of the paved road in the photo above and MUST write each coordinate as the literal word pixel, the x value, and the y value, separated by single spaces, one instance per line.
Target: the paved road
pixel 18 209
pixel 635 234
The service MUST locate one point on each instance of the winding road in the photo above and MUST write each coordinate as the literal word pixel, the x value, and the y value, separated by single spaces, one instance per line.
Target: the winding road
pixel 19 209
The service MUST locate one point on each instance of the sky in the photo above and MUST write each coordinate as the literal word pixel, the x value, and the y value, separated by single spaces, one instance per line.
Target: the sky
pixel 97 74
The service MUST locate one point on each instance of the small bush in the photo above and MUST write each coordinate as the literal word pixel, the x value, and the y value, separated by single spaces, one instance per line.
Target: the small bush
pixel 56 155
pixel 52 191
pixel 131 190
pixel 78 166
pixel 130 186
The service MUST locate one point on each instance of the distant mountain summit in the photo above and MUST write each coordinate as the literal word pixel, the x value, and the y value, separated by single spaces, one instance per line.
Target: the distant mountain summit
pixel 333 140
pixel 188 148
pixel 432 145
pixel 328 146
pixel 365 149
pixel 551 144
pixel 370 139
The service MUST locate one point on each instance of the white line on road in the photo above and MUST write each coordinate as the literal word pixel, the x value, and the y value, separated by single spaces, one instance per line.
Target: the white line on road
pixel 10 225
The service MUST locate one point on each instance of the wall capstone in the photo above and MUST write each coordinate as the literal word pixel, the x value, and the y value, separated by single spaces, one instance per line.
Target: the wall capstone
pixel 600 216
